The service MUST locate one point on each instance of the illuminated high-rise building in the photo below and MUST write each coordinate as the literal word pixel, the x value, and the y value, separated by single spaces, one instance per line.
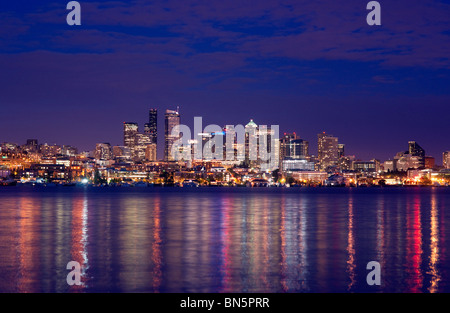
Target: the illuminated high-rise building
pixel 151 128
pixel 285 147
pixel 103 151
pixel 129 135
pixel 446 159
pixel 69 151
pixel 430 162
pixel 292 147
pixel 268 148
pixel 139 151
pixel 417 151
pixel 150 152
pixel 121 153
pixel 328 152
pixel 251 142
pixel 32 145
pixel 234 143
pixel 341 150
pixel 172 119
pixel 50 150
pixel 299 149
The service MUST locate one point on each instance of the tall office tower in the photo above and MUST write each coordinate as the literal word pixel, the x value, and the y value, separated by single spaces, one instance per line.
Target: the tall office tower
pixel 121 153
pixel 430 162
pixel 147 129
pixel 415 149
pixel 446 159
pixel 31 145
pixel 103 151
pixel 234 143
pixel 299 149
pixel 32 142
pixel 418 151
pixel 251 142
pixel 271 155
pixel 341 150
pixel 69 151
pixel 207 154
pixel 285 147
pixel 151 128
pixel 142 142
pixel 268 148
pixel 172 119
pixel 328 154
pixel 150 152
pixel 129 135
pixel 50 150
pixel 212 145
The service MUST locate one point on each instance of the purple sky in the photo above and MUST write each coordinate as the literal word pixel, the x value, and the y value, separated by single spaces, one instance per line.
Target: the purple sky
pixel 308 66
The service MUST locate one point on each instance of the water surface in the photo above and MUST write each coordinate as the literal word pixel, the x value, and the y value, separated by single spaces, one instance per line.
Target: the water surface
pixel 224 239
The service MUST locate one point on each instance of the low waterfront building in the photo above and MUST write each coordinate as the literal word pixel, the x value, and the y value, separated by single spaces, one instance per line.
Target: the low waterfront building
pixel 372 166
pixel 310 176
pixel 289 165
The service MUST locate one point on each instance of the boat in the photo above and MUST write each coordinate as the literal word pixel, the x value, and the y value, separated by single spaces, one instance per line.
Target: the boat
pixel 191 183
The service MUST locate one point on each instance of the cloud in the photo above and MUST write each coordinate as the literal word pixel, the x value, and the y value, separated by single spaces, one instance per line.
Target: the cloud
pixel 412 34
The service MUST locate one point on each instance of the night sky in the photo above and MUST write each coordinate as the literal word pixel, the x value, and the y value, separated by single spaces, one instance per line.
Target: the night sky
pixel 308 66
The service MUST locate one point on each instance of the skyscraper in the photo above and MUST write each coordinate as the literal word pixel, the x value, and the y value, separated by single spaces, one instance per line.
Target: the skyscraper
pixel 234 143
pixel 32 145
pixel 417 151
pixel 285 147
pixel 103 151
pixel 142 142
pixel 129 135
pixel 299 148
pixel 171 119
pixel 430 162
pixel 341 150
pixel 151 128
pixel 292 147
pixel 121 153
pixel 268 147
pixel 150 152
pixel 446 159
pixel 251 142
pixel 328 153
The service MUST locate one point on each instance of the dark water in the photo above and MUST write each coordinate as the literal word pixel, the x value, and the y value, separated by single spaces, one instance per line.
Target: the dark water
pixel 224 240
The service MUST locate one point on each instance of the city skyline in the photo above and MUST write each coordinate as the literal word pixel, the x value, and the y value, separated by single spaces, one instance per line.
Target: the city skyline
pixel 159 136
pixel 234 155
pixel 158 133
pixel 309 67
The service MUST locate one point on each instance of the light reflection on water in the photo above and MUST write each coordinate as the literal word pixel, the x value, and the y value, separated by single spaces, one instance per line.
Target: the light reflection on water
pixel 224 240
